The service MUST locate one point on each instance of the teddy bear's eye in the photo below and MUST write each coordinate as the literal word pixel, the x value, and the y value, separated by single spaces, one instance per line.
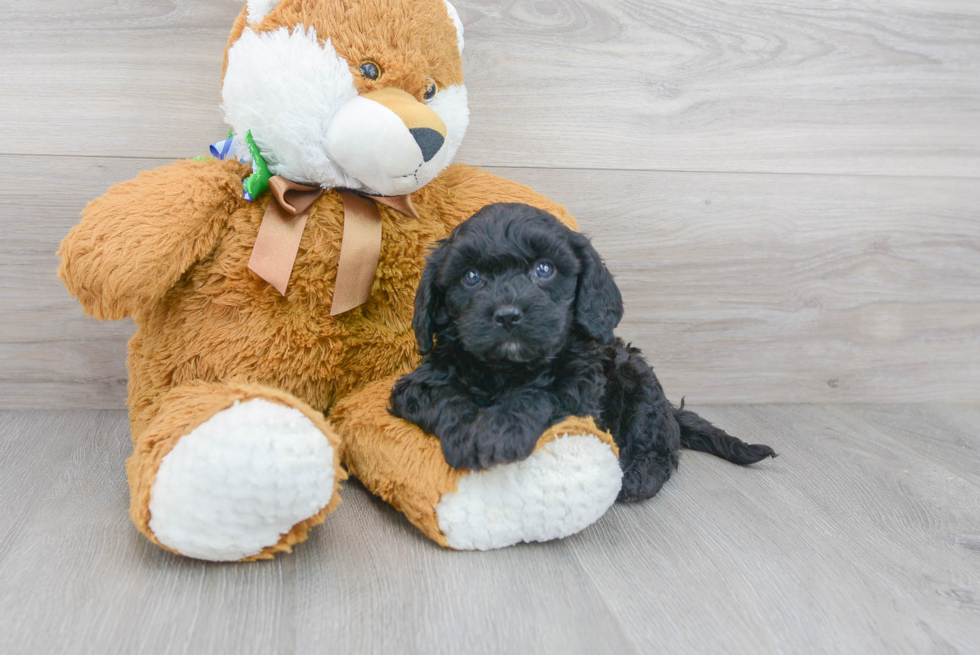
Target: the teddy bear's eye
pixel 370 70
pixel 471 278
pixel 431 92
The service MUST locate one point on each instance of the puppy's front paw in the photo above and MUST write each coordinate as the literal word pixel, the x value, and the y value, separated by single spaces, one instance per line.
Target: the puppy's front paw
pixel 480 447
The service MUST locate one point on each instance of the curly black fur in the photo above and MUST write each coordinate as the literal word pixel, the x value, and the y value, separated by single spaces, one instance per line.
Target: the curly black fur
pixel 516 351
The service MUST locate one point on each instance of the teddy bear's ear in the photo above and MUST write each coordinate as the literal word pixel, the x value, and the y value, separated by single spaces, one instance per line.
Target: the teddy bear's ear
pixel 259 9
pixel 457 22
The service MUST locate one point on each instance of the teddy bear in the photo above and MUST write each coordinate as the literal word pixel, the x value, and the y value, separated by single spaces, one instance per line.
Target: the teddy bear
pixel 272 287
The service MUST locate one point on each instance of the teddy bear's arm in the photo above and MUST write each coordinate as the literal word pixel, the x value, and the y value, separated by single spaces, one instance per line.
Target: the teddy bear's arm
pixel 136 241
pixel 472 189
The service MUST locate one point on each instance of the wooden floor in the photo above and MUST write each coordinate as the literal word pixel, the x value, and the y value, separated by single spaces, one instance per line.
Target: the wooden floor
pixel 862 537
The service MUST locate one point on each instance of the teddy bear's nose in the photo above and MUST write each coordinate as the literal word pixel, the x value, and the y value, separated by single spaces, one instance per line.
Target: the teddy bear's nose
pixel 429 141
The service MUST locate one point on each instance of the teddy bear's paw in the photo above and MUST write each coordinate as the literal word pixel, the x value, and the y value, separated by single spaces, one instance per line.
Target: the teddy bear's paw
pixel 561 489
pixel 240 480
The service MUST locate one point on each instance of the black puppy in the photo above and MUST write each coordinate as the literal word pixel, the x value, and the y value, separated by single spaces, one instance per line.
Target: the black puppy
pixel 522 312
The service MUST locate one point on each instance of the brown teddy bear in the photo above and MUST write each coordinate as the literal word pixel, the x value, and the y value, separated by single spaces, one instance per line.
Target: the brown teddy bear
pixel 272 321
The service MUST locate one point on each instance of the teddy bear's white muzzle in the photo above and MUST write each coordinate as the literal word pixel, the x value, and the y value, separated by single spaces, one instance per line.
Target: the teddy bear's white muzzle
pixel 373 144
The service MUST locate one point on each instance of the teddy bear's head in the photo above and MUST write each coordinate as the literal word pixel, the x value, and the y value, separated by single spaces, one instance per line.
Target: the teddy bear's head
pixel 361 94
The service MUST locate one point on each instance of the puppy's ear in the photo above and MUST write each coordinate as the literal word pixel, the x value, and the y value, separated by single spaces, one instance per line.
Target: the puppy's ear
pixel 598 303
pixel 430 309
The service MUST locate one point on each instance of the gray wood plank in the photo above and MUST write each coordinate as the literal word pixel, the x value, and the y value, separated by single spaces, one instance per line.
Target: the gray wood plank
pixel 848 542
pixel 391 590
pixel 98 586
pixel 46 341
pixel 856 87
pixel 740 288
pixel 946 436
pixel 842 544
pixel 366 579
pixel 34 448
pixel 132 91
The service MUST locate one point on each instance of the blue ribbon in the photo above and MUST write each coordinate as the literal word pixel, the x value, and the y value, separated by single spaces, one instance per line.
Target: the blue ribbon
pixel 221 149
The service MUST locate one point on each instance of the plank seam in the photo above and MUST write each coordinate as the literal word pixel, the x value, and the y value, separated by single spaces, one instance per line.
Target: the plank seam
pixel 567 168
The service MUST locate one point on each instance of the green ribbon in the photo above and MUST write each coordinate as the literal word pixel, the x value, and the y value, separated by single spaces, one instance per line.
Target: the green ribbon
pixel 258 181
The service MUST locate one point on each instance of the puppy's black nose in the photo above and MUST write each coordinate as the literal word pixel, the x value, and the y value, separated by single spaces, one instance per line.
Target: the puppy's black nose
pixel 507 317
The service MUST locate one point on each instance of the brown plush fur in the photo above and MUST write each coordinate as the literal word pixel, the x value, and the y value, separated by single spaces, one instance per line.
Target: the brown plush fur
pixel 170 248
pixel 360 31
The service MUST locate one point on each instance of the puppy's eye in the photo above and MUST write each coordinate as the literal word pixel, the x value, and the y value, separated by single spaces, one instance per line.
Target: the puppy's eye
pixel 471 278
pixel 370 70
pixel 430 93
pixel 544 270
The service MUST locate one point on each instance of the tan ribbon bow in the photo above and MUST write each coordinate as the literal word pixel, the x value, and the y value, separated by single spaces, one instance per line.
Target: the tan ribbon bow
pixel 277 243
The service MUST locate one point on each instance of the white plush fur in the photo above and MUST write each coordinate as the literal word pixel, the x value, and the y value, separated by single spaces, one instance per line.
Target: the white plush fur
pixel 285 88
pixel 259 9
pixel 558 491
pixel 451 105
pixel 241 480
pixel 300 103
pixel 457 22
pixel 372 144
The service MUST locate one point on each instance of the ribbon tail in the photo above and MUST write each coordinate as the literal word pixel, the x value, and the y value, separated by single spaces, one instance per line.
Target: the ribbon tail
pixel 277 242
pixel 276 246
pixel 401 204
pixel 360 251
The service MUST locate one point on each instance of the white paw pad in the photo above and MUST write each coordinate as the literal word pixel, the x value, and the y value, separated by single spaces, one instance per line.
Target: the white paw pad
pixel 559 490
pixel 241 480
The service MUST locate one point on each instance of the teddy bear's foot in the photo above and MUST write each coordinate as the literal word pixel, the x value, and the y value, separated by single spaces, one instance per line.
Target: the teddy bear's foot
pixel 246 473
pixel 563 487
pixel 239 481
pixel 567 483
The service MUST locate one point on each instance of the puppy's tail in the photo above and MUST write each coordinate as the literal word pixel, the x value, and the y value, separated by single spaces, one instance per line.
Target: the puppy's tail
pixel 698 434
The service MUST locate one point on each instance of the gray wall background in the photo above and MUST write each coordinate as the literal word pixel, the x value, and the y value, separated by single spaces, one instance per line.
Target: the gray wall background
pixel 787 192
